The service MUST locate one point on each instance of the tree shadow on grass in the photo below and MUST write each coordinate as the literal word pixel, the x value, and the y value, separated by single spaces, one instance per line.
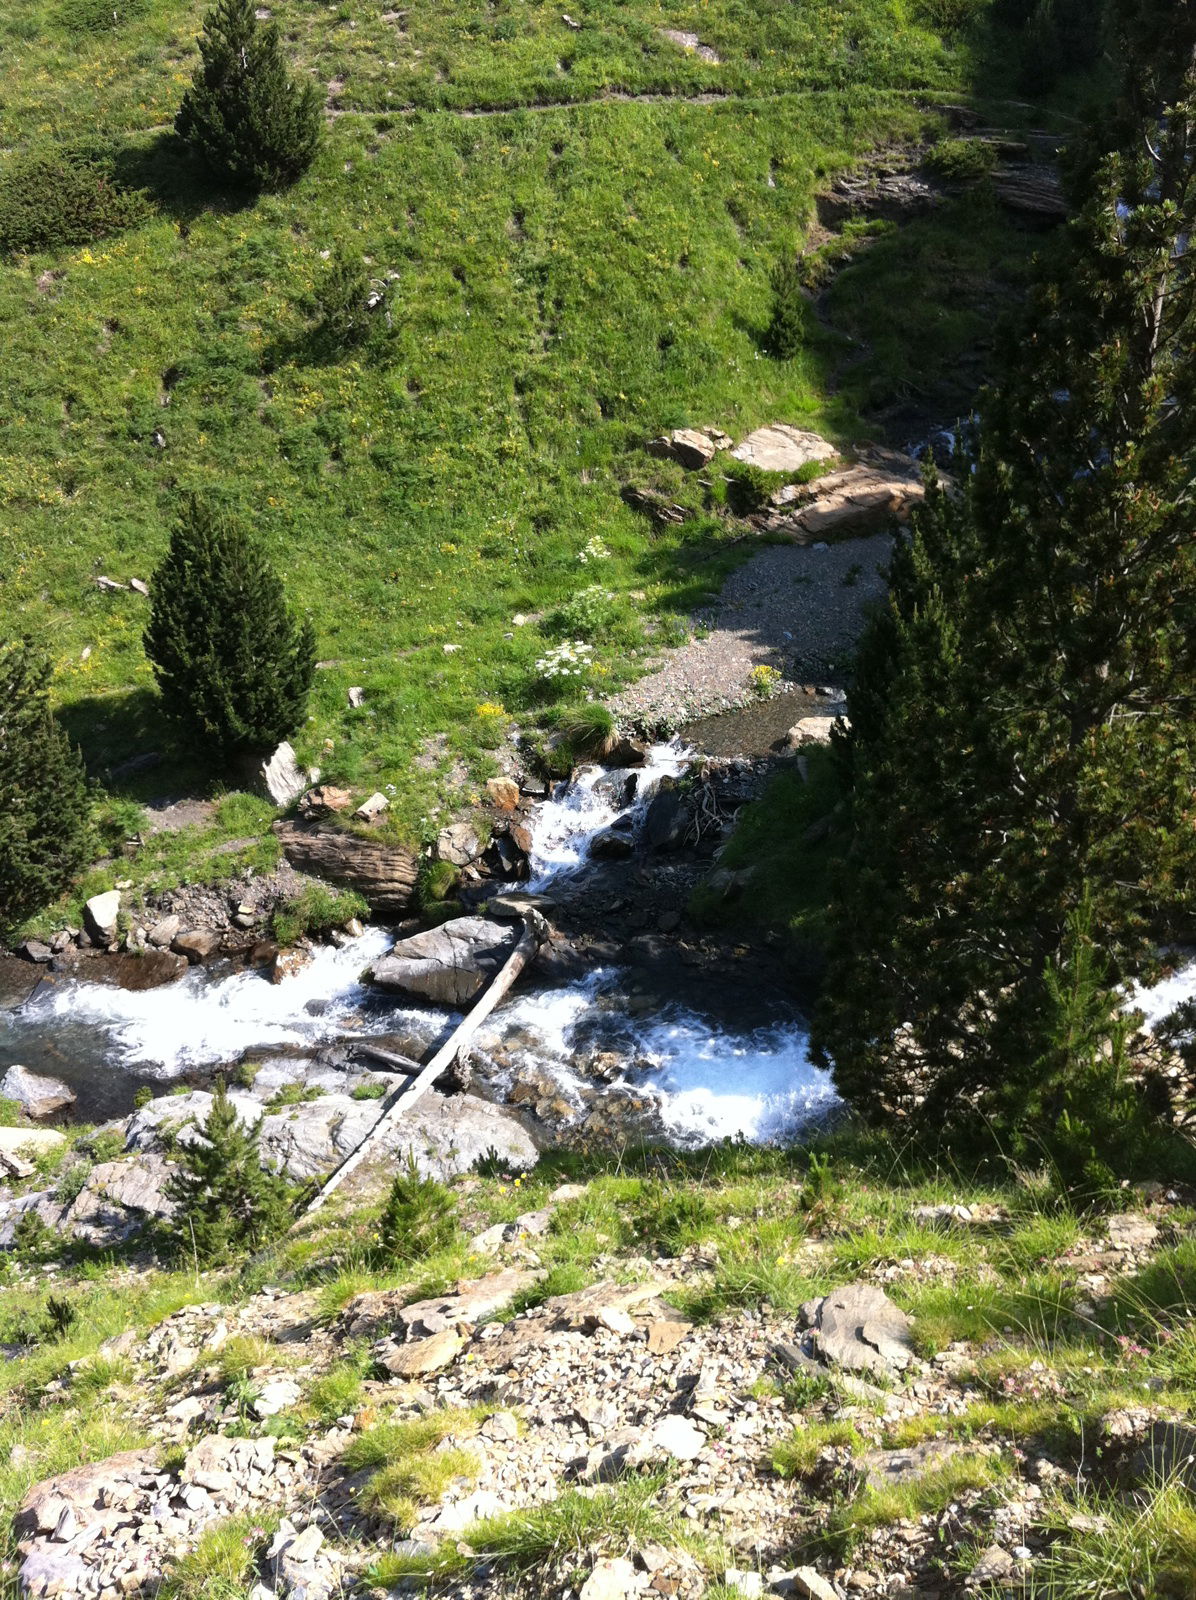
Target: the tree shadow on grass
pixel 175 182
pixel 129 748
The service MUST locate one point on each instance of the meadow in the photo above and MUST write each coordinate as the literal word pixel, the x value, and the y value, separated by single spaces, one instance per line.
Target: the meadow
pixel 573 224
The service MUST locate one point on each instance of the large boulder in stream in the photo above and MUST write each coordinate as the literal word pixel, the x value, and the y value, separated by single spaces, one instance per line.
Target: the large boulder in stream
pixel 37 1097
pixel 449 965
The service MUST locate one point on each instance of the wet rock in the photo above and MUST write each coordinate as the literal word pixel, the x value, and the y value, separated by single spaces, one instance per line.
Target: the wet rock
pixel 149 969
pixel 780 448
pixel 859 1329
pixel 612 845
pixel 197 944
pixel 280 777
pixel 458 844
pixel 100 916
pixel 382 872
pixel 38 1097
pixel 664 824
pixel 18 980
pixel 449 965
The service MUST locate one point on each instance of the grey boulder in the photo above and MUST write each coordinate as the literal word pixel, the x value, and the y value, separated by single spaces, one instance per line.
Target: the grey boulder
pixel 38 1097
pixel 859 1329
pixel 449 965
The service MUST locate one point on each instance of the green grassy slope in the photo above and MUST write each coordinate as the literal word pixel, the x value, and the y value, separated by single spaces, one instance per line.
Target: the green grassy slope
pixel 570 279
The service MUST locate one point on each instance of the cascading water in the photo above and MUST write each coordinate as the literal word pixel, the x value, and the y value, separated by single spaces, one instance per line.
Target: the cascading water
pixel 567 822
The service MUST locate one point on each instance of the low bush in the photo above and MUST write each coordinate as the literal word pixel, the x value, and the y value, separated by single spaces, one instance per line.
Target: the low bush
pixel 83 17
pixel 50 199
pixel 419 1218
pixel 962 160
pixel 315 912
pixel 788 330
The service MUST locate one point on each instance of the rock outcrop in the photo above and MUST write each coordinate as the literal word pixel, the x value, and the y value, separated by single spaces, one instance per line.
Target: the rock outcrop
pixel 382 872
pixel 781 448
pixel 875 493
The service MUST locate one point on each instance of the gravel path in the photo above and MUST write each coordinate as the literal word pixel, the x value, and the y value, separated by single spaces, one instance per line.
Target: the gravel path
pixel 797 608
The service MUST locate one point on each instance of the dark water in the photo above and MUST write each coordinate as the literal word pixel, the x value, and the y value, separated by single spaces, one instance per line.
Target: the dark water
pixel 755 730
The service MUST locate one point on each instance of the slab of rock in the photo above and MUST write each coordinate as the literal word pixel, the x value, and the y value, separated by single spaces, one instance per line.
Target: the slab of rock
pixel 1127 1232
pixel 859 1329
pixel 473 1301
pixel 38 1097
pixel 147 969
pixel 14 1141
pixel 691 447
pixel 382 872
pixel 886 1469
pixel 118 1199
pixel 449 965
pixel 866 498
pixel 280 777
pixel 780 448
pixel 458 844
pixel 82 1491
pixel 100 916
pixel 275 1396
pixel 164 931
pixel 324 801
pixel 582 1309
pixel 993 1565
pixel 804 1583
pixel 423 1356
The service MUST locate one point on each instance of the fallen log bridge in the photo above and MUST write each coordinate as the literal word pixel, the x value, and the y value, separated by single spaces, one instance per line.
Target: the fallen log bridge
pixel 534 936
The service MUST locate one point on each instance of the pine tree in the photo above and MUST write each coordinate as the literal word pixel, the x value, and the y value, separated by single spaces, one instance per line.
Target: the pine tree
pixel 45 830
pixel 224 1199
pixel 233 666
pixel 1022 733
pixel 246 118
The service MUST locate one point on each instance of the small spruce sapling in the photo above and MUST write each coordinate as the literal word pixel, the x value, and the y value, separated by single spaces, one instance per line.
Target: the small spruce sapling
pixel 224 1199
pixel 419 1218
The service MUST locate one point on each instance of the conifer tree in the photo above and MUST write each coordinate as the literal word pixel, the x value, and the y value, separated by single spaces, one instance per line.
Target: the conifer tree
pixel 45 831
pixel 419 1217
pixel 233 666
pixel 1022 736
pixel 244 115
pixel 224 1199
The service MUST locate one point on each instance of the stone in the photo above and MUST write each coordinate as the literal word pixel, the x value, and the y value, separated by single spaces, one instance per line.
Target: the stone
pixel 805 1583
pixel 458 844
pixel 424 1356
pixel 581 1308
pixel 781 448
pixel 82 1490
pixel 1129 1232
pixel 749 1584
pixel 993 1565
pixel 38 1097
pixel 164 931
pixel 324 801
pixel 673 1437
pixel 665 821
pixel 612 1579
pixel 380 870
pixel 49 1570
pixel 812 730
pixel 371 809
pixel 626 752
pixel 689 446
pixel 504 792
pixel 37 952
pixel 890 1468
pixel 100 916
pixel 449 965
pixel 859 1328
pixel 665 1334
pixel 279 1394
pixel 197 944
pixel 280 778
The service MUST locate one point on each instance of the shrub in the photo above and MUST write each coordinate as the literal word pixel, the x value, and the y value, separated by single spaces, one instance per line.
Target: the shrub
pixel 315 912
pixel 788 327
pixel 100 16
pixel 419 1218
pixel 224 1199
pixel 45 829
pixel 749 487
pixel 962 160
pixel 244 116
pixel 233 666
pixel 50 199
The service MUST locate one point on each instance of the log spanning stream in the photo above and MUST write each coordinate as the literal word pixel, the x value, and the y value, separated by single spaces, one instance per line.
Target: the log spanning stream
pixel 683 1073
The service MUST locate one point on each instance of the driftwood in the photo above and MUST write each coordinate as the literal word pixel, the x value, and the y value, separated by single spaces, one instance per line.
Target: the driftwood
pixel 535 934
pixel 389 1058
